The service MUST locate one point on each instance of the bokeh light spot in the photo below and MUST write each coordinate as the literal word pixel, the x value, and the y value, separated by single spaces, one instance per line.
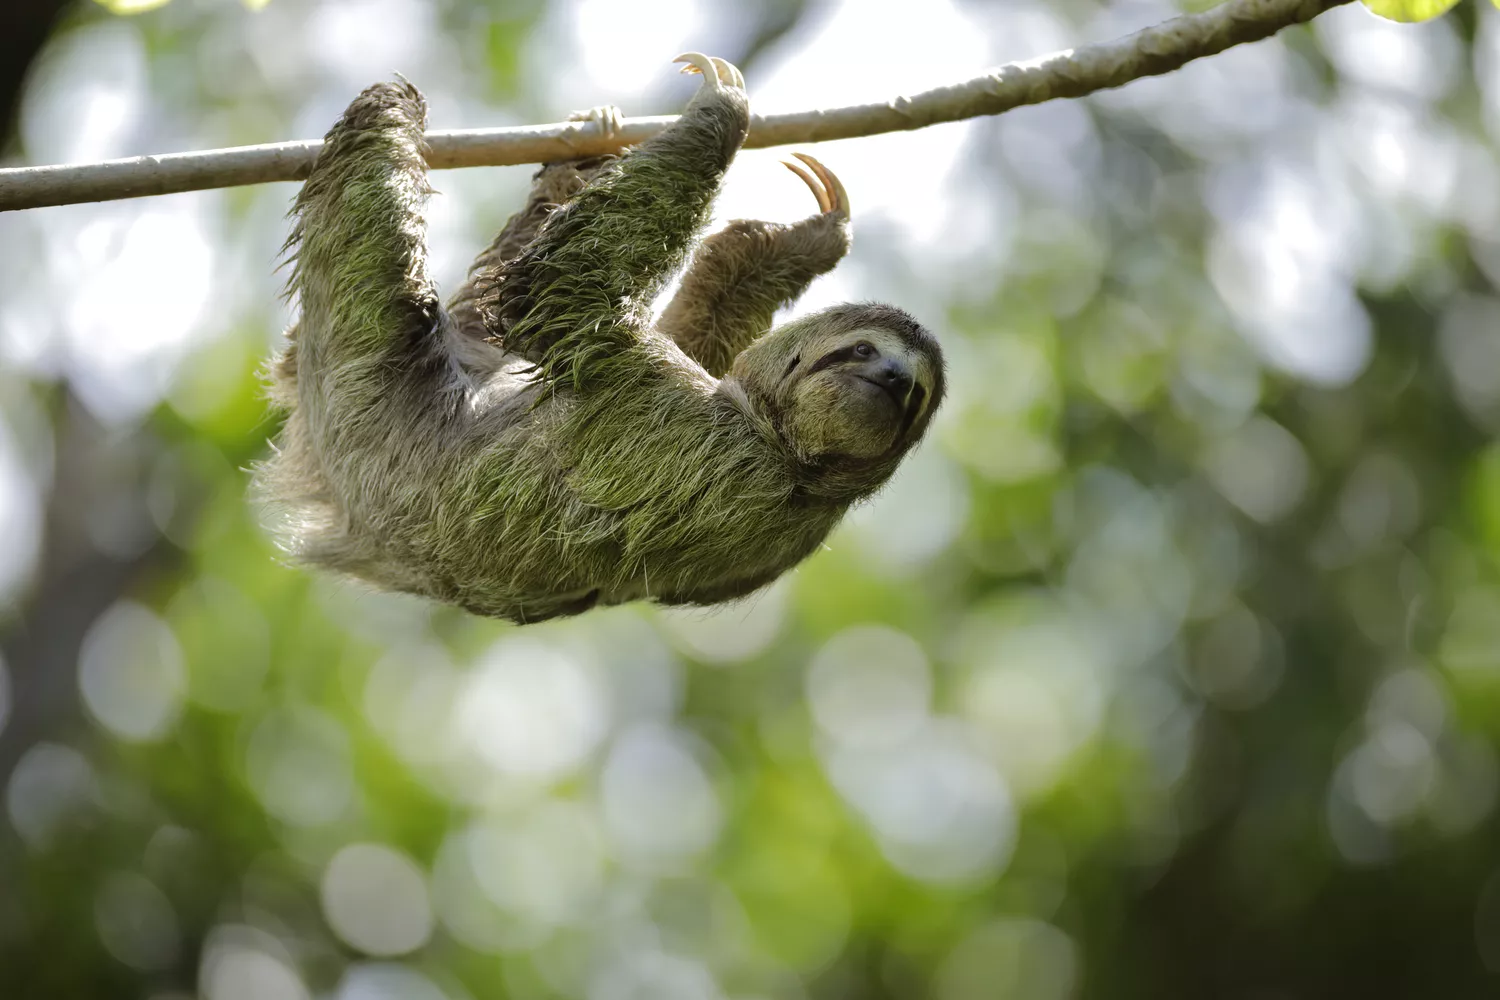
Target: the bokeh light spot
pixel 732 632
pixel 20 518
pixel 1260 468
pixel 654 975
pixel 386 981
pixel 297 761
pixel 545 867
pixel 659 807
pixel 1010 960
pixel 242 963
pixel 375 898
pixel 941 811
pixel 136 922
pixel 50 786
pixel 131 674
pixel 533 710
pixel 869 685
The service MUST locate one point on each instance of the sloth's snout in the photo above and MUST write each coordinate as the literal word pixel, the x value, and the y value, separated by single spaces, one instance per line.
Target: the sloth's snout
pixel 892 375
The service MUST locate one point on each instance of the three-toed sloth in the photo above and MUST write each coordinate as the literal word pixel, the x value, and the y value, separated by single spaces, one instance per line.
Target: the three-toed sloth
pixel 542 445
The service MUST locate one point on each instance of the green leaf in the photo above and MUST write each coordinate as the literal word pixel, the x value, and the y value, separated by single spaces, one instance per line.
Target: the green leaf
pixel 1411 10
pixel 131 6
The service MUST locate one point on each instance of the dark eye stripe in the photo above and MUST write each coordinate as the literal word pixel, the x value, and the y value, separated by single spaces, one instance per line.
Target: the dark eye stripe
pixel 832 358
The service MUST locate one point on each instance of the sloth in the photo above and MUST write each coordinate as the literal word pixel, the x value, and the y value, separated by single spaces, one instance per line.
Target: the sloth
pixel 544 445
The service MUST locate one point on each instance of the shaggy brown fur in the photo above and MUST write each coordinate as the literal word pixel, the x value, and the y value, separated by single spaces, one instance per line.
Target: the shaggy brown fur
pixel 540 447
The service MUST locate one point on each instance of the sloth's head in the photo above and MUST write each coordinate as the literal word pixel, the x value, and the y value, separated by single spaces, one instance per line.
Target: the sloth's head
pixel 854 383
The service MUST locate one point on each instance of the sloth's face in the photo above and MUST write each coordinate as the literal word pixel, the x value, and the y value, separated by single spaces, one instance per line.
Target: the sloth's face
pixel 862 393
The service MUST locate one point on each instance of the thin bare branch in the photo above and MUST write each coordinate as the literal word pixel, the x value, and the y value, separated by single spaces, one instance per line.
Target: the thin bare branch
pixel 1073 73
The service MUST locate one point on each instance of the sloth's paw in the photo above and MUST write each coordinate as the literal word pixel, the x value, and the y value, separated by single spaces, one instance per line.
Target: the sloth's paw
pixel 825 186
pixel 606 116
pixel 716 72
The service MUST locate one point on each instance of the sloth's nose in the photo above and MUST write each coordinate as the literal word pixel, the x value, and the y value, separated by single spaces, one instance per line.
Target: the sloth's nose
pixel 893 375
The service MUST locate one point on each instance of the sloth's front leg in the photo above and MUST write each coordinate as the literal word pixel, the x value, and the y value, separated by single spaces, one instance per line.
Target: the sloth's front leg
pixel 579 293
pixel 741 275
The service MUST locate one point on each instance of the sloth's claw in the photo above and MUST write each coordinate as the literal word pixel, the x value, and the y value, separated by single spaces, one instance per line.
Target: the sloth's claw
pixel 827 188
pixel 812 185
pixel 716 72
pixel 726 68
pixel 606 116
pixel 697 62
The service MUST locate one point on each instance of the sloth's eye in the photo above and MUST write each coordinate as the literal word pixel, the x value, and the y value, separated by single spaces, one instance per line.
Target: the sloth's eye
pixel 864 351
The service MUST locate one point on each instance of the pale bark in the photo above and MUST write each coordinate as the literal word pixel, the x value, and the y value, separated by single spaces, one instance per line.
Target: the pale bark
pixel 1073 73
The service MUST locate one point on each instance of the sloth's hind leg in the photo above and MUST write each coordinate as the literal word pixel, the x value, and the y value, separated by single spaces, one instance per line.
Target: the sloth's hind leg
pixel 475 305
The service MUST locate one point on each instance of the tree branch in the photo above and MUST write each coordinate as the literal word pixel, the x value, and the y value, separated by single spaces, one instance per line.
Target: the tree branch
pixel 1072 73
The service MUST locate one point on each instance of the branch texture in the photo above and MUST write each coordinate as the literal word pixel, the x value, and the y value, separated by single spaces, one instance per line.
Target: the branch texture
pixel 1072 73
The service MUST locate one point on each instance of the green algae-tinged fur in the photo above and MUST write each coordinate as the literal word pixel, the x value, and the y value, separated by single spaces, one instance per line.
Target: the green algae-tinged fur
pixel 540 446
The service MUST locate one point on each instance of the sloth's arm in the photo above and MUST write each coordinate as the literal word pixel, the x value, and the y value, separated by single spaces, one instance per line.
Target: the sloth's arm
pixel 740 276
pixel 551 187
pixel 579 295
pixel 369 312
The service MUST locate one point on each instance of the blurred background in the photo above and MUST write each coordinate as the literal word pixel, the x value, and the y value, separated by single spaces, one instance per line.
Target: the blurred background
pixel 1168 667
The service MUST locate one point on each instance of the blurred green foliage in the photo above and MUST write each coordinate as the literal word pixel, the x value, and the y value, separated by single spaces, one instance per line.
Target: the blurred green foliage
pixel 1410 10
pixel 1169 668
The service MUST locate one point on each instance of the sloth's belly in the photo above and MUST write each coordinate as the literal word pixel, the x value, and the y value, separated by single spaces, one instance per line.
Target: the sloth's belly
pixel 585 557
pixel 709 570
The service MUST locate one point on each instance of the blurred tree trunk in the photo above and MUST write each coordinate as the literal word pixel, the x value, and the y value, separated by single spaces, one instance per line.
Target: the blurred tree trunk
pixel 75 581
pixel 24 27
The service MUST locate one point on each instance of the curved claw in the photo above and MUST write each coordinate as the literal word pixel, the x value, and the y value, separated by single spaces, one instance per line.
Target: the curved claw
pixel 716 72
pixel 736 78
pixel 827 188
pixel 812 185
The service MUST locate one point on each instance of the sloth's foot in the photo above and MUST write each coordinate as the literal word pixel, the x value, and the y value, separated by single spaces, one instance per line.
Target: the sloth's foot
pixel 716 72
pixel 825 186
pixel 606 116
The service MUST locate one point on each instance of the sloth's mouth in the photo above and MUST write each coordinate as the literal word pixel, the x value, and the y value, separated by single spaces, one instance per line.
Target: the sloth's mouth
pixel 908 405
pixel 899 399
